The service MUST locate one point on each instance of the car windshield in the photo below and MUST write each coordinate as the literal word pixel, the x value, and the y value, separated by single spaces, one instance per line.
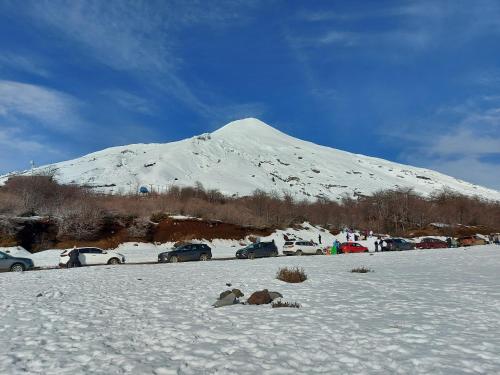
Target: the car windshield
pixel 251 246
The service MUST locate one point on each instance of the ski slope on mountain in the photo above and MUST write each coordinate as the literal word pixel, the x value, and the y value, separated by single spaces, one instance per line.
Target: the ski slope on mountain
pixel 246 155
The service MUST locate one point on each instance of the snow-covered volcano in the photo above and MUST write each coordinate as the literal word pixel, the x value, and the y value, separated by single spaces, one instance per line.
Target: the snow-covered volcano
pixel 246 155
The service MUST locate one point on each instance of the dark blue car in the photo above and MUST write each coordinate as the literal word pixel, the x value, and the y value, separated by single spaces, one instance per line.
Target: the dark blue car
pixel 258 250
pixel 186 253
pixel 14 264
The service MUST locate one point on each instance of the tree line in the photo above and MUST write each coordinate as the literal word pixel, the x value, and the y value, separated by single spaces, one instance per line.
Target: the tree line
pixel 82 213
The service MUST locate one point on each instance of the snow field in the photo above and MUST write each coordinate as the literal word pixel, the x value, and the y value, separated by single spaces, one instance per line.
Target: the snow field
pixel 420 312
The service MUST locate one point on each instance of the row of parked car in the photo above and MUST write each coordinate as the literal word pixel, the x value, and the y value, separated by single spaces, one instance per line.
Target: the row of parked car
pixel 203 252
pixel 88 256
pixel 399 244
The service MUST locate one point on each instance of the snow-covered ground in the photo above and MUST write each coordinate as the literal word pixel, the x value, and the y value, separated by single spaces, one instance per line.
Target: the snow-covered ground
pixel 419 312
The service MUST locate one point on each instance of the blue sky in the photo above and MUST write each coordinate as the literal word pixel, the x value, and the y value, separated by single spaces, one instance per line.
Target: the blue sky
pixel 416 82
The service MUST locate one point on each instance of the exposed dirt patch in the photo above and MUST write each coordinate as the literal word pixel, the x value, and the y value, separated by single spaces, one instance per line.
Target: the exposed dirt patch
pixel 189 229
pixel 36 234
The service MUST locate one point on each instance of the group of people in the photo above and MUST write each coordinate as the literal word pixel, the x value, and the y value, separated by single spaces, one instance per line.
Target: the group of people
pixel 354 236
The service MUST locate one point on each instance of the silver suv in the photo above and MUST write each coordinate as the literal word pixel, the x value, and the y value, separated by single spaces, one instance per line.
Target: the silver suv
pixel 301 247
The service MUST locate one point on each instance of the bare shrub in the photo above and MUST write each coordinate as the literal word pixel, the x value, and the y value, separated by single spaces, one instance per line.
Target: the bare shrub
pixel 81 221
pixel 285 304
pixel 291 275
pixel 139 228
pixel 361 270
pixel 398 212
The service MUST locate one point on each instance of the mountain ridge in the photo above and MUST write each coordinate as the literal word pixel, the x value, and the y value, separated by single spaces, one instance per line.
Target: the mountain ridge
pixel 246 155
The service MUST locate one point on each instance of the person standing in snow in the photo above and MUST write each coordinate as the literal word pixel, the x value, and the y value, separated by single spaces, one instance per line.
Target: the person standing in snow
pixel 383 245
pixel 74 258
pixel 337 246
pixel 333 250
pixel 376 246
pixel 319 238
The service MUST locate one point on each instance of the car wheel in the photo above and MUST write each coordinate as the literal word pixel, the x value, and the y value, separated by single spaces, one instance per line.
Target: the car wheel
pixel 274 254
pixel 113 261
pixel 319 252
pixel 204 257
pixel 17 267
pixel 251 256
pixel 174 259
pixel 299 253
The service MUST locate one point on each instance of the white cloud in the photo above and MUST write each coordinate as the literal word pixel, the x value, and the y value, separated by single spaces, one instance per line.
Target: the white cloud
pixel 459 148
pixel 30 116
pixel 130 101
pixel 23 63
pixel 26 146
pixel 415 26
pixel 20 101
pixel 140 37
pixel 470 168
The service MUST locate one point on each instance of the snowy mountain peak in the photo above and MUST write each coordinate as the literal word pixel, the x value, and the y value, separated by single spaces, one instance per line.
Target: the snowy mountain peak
pixel 248 127
pixel 246 155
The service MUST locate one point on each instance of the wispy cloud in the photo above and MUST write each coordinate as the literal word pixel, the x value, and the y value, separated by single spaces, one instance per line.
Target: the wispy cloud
pixel 29 115
pixel 424 24
pixel 50 108
pixel 140 37
pixel 25 145
pixel 24 63
pixel 130 101
pixel 462 148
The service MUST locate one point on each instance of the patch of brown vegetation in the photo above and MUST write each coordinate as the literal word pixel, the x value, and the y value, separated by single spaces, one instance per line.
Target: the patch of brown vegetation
pixel 285 304
pixel 291 275
pixel 361 270
pixel 84 216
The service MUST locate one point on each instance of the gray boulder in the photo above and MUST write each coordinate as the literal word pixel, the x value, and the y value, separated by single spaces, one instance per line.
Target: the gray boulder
pixel 275 295
pixel 228 298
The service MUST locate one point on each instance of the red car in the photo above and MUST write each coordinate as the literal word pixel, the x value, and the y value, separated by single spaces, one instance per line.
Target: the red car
pixel 431 243
pixel 352 247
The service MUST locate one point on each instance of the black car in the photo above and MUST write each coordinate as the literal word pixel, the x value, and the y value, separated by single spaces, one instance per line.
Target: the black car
pixel 398 244
pixel 258 250
pixel 186 253
pixel 14 264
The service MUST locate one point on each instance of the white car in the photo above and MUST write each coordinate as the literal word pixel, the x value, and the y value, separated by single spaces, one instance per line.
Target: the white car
pixel 301 247
pixel 89 256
